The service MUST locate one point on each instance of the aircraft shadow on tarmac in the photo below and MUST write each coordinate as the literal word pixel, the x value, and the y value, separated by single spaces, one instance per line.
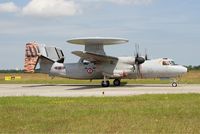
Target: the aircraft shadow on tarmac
pixel 76 86
pixel 84 87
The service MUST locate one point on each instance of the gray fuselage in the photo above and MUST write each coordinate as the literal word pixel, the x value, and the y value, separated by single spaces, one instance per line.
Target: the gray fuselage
pixel 124 67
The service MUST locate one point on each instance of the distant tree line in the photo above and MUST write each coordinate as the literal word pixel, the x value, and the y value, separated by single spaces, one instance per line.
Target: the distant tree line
pixel 15 71
pixel 190 67
pixel 11 71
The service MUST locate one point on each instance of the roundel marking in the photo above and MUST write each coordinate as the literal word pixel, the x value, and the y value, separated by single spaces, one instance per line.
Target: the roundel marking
pixel 90 70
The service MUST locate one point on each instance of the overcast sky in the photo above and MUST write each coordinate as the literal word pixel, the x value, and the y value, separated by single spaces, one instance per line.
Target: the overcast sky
pixel 167 28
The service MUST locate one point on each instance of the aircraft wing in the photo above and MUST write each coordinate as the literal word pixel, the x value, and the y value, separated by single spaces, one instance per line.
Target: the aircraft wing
pixel 93 57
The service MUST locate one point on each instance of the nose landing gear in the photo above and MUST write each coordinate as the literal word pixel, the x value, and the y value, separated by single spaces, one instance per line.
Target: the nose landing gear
pixel 174 84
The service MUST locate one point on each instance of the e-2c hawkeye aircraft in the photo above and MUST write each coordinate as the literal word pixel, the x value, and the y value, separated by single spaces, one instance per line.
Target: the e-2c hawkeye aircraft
pixel 94 63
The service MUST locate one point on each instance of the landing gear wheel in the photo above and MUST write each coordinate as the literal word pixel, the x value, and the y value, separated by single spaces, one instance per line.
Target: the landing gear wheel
pixel 105 84
pixel 116 82
pixel 174 84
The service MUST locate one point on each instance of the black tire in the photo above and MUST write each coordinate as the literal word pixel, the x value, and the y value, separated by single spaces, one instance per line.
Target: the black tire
pixel 116 82
pixel 174 84
pixel 106 84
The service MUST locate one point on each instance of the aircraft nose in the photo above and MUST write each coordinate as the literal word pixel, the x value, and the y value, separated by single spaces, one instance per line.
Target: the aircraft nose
pixel 183 69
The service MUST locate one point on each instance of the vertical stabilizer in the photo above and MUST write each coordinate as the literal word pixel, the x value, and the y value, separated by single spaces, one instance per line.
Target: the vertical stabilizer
pixel 44 55
pixel 31 57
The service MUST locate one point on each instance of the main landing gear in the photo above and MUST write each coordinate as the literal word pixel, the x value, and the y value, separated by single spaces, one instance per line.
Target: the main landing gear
pixel 106 83
pixel 116 82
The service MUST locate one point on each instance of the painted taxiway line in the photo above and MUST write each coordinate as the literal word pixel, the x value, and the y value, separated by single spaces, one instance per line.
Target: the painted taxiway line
pixel 62 90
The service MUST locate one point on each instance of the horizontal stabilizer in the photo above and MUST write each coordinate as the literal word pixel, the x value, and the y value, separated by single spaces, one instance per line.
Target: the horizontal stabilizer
pixel 45 64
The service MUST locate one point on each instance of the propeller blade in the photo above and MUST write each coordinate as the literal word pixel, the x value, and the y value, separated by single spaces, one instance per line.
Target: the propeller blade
pixel 146 55
pixel 139 74
pixel 138 61
pixel 137 50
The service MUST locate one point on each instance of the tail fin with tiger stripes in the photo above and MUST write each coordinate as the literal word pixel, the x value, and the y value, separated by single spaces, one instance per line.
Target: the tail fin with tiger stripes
pixel 32 53
pixel 44 55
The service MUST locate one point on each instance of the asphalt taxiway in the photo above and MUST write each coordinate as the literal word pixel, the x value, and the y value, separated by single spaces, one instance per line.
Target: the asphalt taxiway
pixel 62 90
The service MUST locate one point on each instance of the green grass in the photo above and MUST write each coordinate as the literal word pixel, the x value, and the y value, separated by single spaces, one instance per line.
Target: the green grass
pixel 136 114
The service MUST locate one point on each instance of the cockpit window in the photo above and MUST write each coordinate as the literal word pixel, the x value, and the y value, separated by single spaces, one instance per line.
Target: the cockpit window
pixel 86 63
pixel 172 63
pixel 167 62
